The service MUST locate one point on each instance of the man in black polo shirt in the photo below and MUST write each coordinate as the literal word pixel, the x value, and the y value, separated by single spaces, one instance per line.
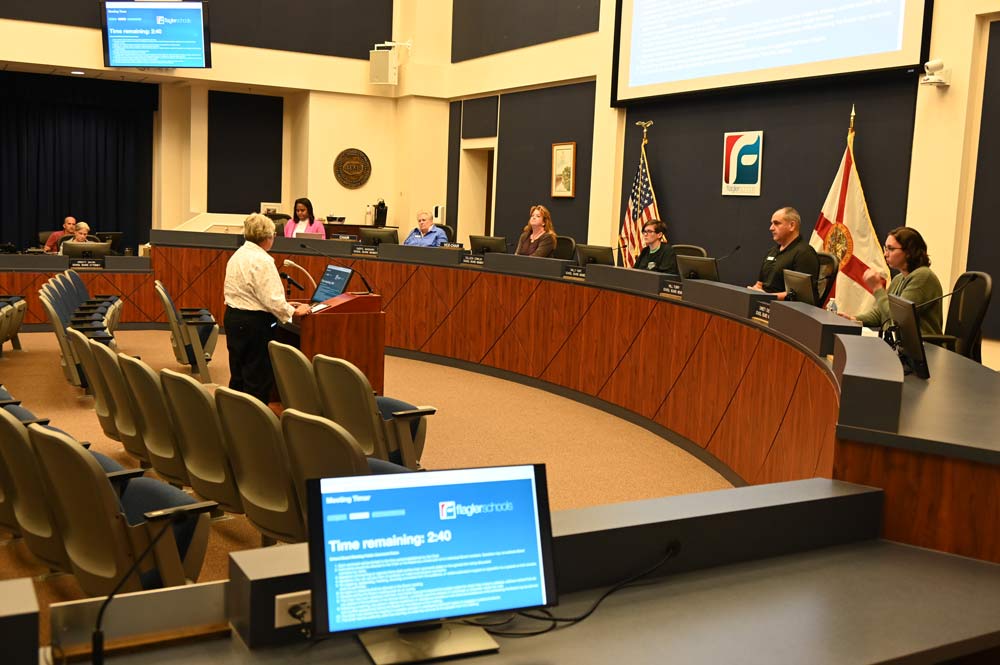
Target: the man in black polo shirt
pixel 791 252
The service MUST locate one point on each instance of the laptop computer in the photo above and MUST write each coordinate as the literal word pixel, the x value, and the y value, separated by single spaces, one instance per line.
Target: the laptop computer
pixel 331 284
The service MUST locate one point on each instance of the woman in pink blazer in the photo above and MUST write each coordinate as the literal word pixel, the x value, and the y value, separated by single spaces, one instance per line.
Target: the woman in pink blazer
pixel 304 220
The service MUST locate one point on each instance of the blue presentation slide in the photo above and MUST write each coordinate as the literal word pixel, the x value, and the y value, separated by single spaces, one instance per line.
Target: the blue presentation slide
pixel 677 40
pixel 332 284
pixel 155 34
pixel 421 553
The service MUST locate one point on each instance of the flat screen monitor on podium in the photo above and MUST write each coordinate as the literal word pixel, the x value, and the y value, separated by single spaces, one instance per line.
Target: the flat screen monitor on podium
pixel 332 283
pixel 910 343
pixel 114 237
pixel 377 236
pixel 698 267
pixel 800 287
pixel 86 250
pixel 484 244
pixel 392 555
pixel 604 256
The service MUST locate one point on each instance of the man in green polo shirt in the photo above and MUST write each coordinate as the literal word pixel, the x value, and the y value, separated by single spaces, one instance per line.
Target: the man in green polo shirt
pixel 791 252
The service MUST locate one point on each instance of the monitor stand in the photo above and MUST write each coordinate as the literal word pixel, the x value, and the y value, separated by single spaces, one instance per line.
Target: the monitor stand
pixel 388 646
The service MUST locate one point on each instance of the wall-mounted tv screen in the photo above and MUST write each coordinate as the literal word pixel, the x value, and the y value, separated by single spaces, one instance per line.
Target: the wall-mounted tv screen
pixel 156 34
pixel 676 46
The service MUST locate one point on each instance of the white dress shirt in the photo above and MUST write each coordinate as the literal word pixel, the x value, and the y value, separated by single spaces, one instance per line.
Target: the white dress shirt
pixel 252 283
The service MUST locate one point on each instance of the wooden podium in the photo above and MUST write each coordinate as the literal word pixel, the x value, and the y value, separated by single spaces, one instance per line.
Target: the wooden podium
pixel 352 328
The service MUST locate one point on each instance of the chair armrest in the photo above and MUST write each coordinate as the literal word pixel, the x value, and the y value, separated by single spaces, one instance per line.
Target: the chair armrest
pixel 125 474
pixel 947 341
pixel 418 412
pixel 194 310
pixel 187 509
pixel 85 445
pixel 10 402
pixel 35 421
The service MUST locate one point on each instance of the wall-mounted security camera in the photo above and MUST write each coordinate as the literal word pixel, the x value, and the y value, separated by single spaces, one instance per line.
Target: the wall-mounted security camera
pixel 935 74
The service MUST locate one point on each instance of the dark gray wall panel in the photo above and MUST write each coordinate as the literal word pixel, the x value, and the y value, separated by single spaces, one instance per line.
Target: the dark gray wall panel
pixel 244 151
pixel 479 117
pixel 805 130
pixel 344 28
pixel 530 122
pixel 482 27
pixel 454 152
pixel 984 237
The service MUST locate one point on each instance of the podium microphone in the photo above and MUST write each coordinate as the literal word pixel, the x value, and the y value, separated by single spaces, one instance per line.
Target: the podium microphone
pixel 336 260
pixel 285 276
pixel 927 303
pixel 176 514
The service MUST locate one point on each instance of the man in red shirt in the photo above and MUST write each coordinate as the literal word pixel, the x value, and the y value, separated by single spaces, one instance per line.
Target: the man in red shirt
pixel 69 226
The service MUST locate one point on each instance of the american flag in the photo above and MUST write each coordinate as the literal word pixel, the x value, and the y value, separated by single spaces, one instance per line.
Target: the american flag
pixel 641 209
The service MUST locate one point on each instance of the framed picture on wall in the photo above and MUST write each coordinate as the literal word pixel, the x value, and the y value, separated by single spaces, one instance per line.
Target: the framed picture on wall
pixel 564 170
pixel 269 208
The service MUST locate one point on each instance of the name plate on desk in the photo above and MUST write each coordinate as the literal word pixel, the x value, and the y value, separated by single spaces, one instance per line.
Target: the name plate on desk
pixel 574 272
pixel 365 250
pixel 473 260
pixel 729 298
pixel 762 311
pixel 87 264
pixel 453 245
pixel 672 288
pixel 343 236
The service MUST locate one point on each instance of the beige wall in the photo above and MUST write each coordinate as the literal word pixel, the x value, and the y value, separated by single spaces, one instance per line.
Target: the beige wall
pixel 329 105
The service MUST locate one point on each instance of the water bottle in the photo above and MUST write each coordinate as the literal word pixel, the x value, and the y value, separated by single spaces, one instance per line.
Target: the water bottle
pixel 831 306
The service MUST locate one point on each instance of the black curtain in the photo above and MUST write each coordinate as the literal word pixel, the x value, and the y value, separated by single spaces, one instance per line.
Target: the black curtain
pixel 75 147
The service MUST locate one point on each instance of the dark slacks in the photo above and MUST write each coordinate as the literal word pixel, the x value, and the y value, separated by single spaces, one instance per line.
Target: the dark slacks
pixel 247 335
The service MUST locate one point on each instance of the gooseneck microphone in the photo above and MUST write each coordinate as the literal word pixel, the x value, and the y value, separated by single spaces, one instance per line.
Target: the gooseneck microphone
pixel 927 303
pixel 285 276
pixel 288 263
pixel 172 515
pixel 731 252
pixel 336 260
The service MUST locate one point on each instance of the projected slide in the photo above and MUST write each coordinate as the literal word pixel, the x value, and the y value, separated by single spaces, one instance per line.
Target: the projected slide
pixel 415 553
pixel 155 34
pixel 672 46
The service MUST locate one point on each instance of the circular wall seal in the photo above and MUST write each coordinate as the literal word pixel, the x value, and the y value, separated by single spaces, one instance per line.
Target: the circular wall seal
pixel 352 168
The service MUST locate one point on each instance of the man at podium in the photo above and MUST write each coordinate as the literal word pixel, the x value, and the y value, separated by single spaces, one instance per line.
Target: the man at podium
pixel 255 302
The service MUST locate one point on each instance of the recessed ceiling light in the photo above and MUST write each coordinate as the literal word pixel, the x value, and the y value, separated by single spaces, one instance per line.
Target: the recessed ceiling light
pixel 77 72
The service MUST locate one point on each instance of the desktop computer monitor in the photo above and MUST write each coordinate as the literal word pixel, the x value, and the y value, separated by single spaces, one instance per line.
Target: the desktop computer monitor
pixel 484 244
pixel 909 342
pixel 698 267
pixel 594 254
pixel 86 250
pixel 392 555
pixel 800 287
pixel 377 236
pixel 114 237
pixel 332 283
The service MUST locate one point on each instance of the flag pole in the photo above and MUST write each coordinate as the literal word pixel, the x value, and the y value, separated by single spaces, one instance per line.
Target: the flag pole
pixel 850 130
pixel 645 124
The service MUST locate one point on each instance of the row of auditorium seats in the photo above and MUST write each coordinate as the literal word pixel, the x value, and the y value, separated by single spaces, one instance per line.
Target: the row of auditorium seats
pixel 337 390
pixel 193 333
pixel 68 304
pixel 12 311
pixel 80 512
pixel 227 447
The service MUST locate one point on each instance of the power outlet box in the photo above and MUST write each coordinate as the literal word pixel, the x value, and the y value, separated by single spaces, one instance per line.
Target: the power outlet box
pixel 284 602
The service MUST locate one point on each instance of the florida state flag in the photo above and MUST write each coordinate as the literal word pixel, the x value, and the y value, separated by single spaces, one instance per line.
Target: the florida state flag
pixel 844 229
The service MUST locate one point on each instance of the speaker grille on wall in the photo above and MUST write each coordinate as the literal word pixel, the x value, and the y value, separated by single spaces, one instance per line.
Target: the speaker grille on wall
pixel 383 67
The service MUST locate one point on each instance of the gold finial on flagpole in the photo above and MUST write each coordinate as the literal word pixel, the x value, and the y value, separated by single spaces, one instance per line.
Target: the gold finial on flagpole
pixel 851 128
pixel 645 124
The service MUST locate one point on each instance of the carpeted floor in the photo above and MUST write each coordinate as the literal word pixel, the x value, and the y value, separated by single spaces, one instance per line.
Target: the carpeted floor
pixel 592 458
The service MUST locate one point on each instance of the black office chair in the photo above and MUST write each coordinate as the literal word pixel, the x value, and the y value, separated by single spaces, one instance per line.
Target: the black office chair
pixel 689 250
pixel 565 248
pixel 448 231
pixel 963 328
pixel 43 237
pixel 828 269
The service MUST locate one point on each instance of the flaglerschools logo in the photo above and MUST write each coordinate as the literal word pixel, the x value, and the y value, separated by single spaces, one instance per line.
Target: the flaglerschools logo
pixel 742 156
pixel 449 510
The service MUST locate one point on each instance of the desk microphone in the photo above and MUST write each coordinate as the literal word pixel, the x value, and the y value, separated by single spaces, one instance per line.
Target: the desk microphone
pixel 285 276
pixel 172 515
pixel 731 252
pixel 927 303
pixel 336 261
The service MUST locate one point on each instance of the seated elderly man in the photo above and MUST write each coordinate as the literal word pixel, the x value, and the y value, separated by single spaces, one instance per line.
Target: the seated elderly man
pixel 427 234
pixel 52 243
